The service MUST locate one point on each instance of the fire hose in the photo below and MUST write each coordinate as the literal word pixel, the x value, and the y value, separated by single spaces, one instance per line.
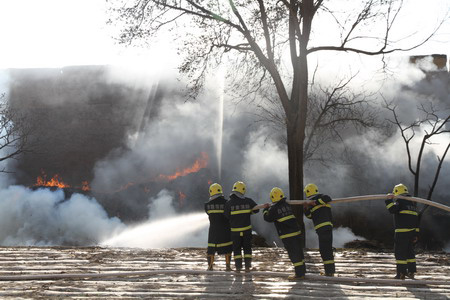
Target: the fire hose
pixel 369 197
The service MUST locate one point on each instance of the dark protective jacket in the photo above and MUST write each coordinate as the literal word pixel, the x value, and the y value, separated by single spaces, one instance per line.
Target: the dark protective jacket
pixel 405 214
pixel 238 211
pixel 219 226
pixel 285 222
pixel 320 213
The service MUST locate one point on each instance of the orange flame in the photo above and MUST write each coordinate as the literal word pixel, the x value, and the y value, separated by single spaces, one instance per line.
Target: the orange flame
pixel 55 181
pixel 200 163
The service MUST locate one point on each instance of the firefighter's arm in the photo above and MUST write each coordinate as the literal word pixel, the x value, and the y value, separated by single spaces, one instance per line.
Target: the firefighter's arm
pixel 323 200
pixel 391 205
pixel 308 213
pixel 253 204
pixel 268 214
pixel 206 209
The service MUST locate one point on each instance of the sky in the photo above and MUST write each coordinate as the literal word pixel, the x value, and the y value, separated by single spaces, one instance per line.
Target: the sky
pixel 56 33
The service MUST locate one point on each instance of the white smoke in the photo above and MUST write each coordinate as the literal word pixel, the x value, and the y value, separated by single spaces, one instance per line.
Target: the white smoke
pixel 161 206
pixel 265 164
pixel 43 217
pixel 341 236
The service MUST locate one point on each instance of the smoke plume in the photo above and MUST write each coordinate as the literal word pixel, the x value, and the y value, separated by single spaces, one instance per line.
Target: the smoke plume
pixel 44 217
pixel 156 134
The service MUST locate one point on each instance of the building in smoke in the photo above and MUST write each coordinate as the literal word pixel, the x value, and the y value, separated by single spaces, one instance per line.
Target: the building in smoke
pixel 82 115
pixel 438 60
pixel 77 118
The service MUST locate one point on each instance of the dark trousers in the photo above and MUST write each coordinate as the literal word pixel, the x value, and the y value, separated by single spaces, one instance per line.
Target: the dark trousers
pixel 242 240
pixel 294 249
pixel 220 250
pixel 326 248
pixel 404 252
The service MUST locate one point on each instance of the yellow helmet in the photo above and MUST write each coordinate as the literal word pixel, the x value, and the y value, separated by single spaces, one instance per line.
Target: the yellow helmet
pixel 311 189
pixel 400 189
pixel 215 189
pixel 239 187
pixel 276 194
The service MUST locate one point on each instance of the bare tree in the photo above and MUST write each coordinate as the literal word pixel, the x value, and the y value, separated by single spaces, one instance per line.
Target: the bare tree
pixel 259 32
pixel 432 125
pixel 14 133
pixel 333 112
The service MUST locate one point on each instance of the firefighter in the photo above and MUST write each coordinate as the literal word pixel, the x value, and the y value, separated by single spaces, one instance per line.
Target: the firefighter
pixel 319 210
pixel 406 222
pixel 280 213
pixel 219 238
pixel 238 210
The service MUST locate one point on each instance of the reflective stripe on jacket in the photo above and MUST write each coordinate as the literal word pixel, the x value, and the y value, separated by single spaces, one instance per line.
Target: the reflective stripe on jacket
pixel 238 211
pixel 285 222
pixel 219 226
pixel 320 213
pixel 406 218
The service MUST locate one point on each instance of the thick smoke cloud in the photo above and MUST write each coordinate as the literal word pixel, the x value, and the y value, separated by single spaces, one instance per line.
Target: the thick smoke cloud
pixel 43 217
pixel 177 138
pixel 170 133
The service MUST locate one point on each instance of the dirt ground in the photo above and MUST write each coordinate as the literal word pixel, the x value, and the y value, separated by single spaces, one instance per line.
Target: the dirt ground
pixel 268 281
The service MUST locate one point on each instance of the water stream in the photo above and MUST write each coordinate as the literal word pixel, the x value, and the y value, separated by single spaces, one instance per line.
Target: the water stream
pixel 221 89
pixel 189 230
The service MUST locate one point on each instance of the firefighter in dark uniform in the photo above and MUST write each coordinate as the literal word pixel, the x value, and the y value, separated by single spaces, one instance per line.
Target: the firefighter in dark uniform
pixel 319 210
pixel 406 222
pixel 219 238
pixel 238 210
pixel 280 213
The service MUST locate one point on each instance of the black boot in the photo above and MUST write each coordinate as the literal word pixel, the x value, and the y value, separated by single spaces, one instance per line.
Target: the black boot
pixel 238 264
pixel 248 264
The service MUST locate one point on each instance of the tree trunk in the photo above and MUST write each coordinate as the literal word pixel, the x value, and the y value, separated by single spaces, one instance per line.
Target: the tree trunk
pixel 295 161
pixel 295 142
pixel 296 134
